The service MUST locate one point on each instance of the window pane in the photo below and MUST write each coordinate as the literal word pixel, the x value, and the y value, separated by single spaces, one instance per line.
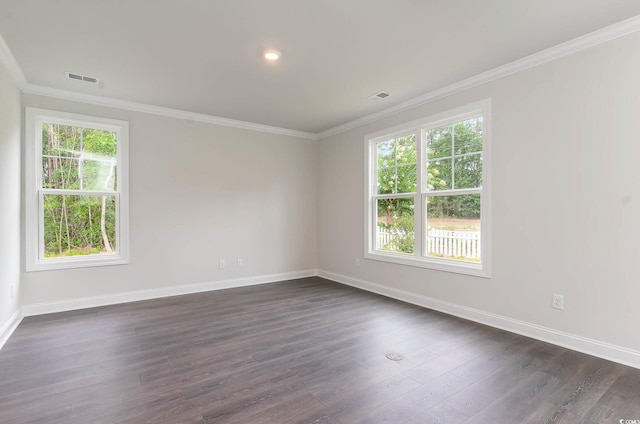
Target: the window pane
pixel 387 180
pixel 468 136
pixel 79 225
pixel 78 158
pixel 99 142
pixel 75 174
pixel 439 175
pixel 61 140
pixel 396 164
pixel 406 179
pixel 445 148
pixel 453 227
pixel 60 172
pixel 386 153
pixel 468 171
pixel 406 150
pixel 395 226
pixel 438 142
pixel 98 175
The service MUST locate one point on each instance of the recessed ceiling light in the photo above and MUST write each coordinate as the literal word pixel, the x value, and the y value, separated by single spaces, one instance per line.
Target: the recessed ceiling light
pixel 272 55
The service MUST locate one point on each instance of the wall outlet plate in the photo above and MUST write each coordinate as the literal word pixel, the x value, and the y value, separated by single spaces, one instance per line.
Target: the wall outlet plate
pixel 557 301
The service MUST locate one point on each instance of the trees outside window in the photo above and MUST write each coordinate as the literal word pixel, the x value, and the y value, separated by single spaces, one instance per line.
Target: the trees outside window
pixel 427 202
pixel 76 190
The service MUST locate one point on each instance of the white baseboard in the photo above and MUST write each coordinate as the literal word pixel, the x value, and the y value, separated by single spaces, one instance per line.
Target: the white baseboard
pixel 10 326
pixel 133 296
pixel 571 341
pixel 597 348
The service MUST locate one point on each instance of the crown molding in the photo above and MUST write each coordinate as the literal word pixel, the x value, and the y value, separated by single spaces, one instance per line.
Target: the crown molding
pixel 567 48
pixel 6 57
pixel 162 111
pixel 584 42
pixel 9 61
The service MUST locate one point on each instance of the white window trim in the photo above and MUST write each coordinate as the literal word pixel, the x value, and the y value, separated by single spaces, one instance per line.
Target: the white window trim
pixel 34 225
pixel 483 269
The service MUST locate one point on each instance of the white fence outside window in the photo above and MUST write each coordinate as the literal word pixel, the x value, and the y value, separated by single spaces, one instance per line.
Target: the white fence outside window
pixel 444 243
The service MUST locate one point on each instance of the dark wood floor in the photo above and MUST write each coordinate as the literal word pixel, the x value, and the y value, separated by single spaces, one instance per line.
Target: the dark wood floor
pixel 304 351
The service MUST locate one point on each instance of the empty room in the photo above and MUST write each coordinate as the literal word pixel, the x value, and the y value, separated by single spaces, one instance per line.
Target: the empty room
pixel 287 211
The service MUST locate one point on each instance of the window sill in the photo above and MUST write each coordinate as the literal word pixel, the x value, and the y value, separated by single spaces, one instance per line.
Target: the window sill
pixel 458 267
pixel 76 262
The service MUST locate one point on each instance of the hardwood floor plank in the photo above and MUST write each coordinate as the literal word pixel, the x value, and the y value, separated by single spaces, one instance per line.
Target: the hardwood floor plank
pixel 550 413
pixel 301 351
pixel 583 390
pixel 493 361
pixel 356 405
pixel 620 402
pixel 439 414
pixel 285 412
pixel 528 395
pixel 439 365
pixel 417 400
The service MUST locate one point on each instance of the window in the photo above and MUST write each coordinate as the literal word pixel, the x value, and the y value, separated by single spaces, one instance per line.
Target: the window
pixel 427 201
pixel 75 190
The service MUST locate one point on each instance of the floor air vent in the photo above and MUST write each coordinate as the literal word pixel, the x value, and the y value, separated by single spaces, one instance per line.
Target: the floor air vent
pixel 394 356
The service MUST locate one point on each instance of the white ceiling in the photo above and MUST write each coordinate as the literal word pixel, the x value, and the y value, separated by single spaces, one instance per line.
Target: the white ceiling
pixel 204 56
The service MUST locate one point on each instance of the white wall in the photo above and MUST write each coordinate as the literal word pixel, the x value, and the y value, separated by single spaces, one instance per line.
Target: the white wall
pixel 9 198
pixel 566 202
pixel 199 193
pixel 566 199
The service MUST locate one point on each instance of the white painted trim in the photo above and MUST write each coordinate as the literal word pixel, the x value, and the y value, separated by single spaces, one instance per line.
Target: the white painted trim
pixel 570 341
pixel 10 326
pixel 418 127
pixel 33 192
pixel 593 347
pixel 134 296
pixel 584 42
pixel 161 111
pixel 10 62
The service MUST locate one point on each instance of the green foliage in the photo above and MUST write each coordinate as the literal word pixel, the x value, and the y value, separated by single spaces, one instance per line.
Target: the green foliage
pixel 402 232
pixel 72 223
pixel 397 173
pixel 460 206
pixel 397 169
pixel 73 252
pixel 454 161
pixel 397 219
pixel 75 158
pixel 454 154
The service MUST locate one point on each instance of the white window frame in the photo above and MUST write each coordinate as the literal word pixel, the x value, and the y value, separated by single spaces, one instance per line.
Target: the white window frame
pixel 34 226
pixel 419 127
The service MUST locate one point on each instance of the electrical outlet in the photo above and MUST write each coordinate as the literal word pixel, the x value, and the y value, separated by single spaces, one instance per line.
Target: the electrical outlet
pixel 558 301
pixel 240 263
pixel 358 262
pixel 221 264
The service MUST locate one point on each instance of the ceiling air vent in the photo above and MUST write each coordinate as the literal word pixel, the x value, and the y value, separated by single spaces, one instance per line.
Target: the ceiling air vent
pixel 379 96
pixel 79 77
